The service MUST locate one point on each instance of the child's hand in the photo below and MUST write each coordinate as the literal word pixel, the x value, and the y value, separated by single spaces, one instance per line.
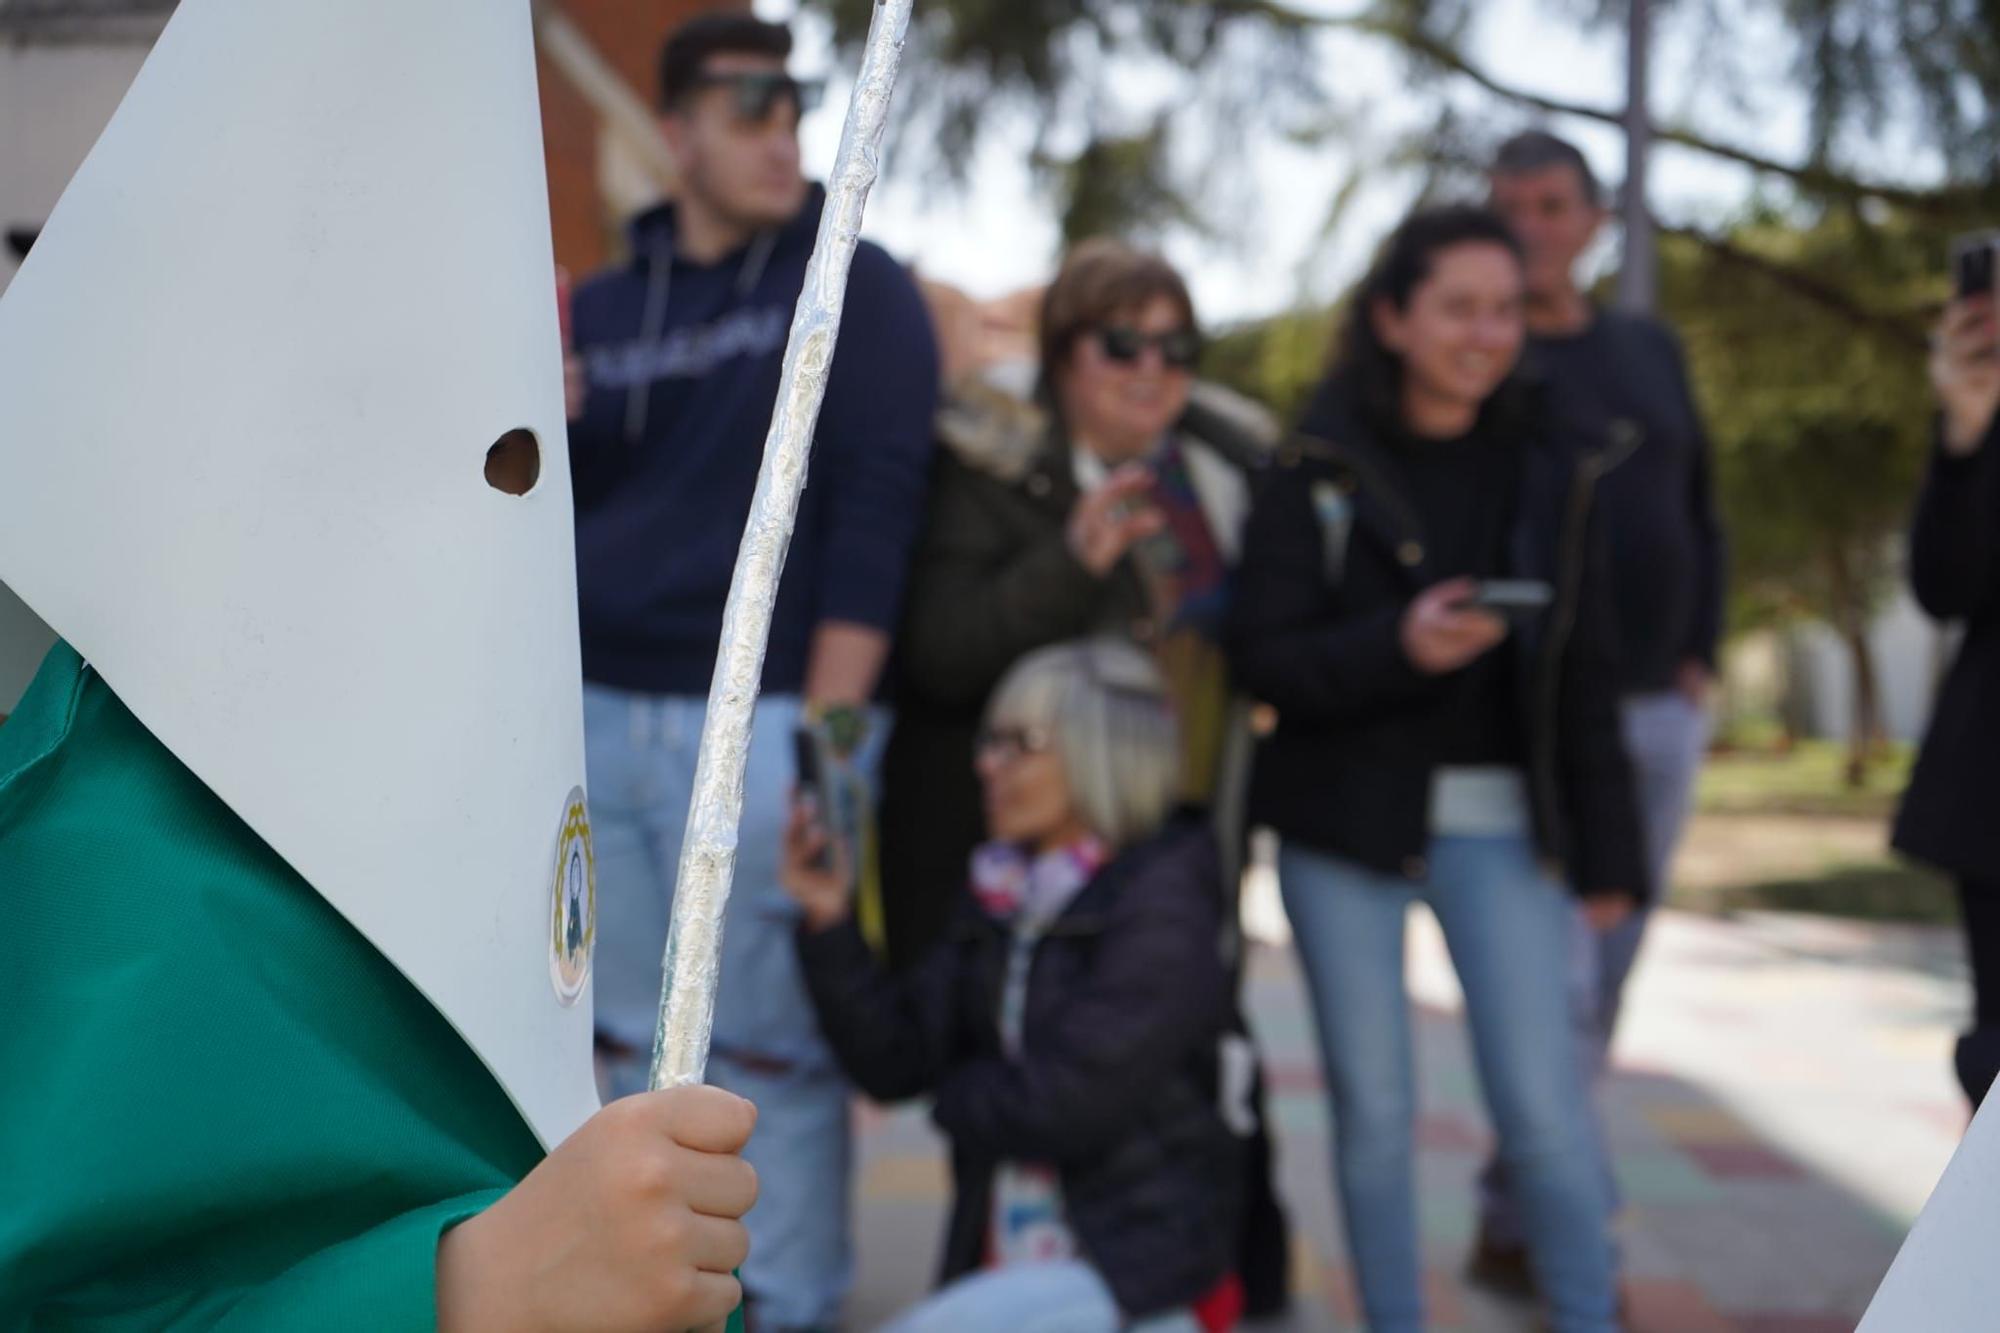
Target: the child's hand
pixel 632 1225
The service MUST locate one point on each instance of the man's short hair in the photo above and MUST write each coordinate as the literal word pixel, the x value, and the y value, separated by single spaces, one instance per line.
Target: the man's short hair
pixel 1538 150
pixel 691 44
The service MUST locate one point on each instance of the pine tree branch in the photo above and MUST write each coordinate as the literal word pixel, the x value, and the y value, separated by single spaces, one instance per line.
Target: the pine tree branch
pixel 1814 178
pixel 1897 329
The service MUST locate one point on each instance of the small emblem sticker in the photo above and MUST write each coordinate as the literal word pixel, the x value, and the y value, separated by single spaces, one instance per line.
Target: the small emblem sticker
pixel 573 910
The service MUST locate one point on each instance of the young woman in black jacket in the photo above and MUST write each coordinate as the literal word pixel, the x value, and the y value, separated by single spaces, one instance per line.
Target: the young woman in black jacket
pixel 1068 1024
pixel 1948 814
pixel 1438 741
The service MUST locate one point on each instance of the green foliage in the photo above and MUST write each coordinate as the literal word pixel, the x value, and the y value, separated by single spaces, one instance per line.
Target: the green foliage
pixel 1119 187
pixel 1805 779
pixel 1820 424
pixel 1276 361
pixel 1107 164
pixel 1252 67
pixel 1862 60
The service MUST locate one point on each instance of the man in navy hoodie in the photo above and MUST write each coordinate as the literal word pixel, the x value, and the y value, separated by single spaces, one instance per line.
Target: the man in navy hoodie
pixel 673 374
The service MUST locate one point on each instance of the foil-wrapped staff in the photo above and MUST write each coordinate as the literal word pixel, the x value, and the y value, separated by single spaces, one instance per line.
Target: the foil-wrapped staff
pixel 708 856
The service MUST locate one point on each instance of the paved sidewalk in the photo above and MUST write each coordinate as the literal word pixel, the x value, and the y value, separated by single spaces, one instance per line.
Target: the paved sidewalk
pixel 1781 1106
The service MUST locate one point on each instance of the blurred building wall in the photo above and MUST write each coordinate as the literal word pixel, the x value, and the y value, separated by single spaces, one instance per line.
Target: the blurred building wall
pixel 595 181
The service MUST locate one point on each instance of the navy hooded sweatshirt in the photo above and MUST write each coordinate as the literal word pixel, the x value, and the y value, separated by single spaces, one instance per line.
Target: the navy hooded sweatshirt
pixel 683 361
pixel 1669 558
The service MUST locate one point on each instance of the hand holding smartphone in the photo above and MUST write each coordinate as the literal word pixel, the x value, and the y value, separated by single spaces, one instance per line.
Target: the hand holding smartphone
pixel 1965 355
pixel 1973 259
pixel 1511 599
pixel 813 789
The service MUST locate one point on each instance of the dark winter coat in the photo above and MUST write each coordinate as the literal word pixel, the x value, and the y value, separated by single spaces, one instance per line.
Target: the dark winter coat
pixel 1116 1085
pixel 1948 815
pixel 1316 633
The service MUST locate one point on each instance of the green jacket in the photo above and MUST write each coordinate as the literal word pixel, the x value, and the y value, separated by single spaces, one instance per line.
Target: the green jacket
pixel 222 1108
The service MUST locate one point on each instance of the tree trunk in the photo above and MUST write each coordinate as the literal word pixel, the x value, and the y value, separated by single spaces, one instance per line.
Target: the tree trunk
pixel 1850 608
pixel 1639 275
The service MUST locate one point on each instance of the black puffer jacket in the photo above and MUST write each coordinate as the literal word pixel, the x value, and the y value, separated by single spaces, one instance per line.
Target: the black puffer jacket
pixel 1947 817
pixel 1126 1004
pixel 1316 633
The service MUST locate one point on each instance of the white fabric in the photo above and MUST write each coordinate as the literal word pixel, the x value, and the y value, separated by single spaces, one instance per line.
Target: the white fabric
pixel 1480 802
pixel 248 380
pixel 1944 1280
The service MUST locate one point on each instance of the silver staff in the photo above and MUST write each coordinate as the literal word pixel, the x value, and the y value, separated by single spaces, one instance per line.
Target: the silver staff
pixel 708 857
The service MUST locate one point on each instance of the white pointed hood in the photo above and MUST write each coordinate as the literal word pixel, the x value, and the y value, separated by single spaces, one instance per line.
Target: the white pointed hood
pixel 1945 1278
pixel 249 378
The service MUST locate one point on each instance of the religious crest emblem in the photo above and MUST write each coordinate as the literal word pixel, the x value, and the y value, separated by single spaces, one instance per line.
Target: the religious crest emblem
pixel 573 909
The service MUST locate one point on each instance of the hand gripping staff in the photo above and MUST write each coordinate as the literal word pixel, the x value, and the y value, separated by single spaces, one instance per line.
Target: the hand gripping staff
pixel 708 856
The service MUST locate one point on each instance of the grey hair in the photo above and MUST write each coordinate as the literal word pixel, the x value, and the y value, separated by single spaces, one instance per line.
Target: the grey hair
pixel 1537 150
pixel 1105 708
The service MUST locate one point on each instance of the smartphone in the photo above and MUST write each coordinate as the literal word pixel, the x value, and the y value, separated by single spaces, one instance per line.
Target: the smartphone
pixel 1511 597
pixel 1972 262
pixel 810 775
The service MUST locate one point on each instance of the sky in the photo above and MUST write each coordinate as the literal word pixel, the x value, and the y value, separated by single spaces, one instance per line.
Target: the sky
pixel 998 234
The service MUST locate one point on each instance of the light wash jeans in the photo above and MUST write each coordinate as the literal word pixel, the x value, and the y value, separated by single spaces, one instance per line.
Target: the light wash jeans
pixel 1508 927
pixel 767 1044
pixel 1665 738
pixel 1033 1298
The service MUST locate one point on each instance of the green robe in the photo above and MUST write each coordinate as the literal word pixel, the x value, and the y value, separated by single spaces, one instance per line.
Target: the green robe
pixel 220 1107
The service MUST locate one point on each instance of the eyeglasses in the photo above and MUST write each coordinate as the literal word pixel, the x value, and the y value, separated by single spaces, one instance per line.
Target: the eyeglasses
pixel 1178 348
pixel 756 93
pixel 1010 743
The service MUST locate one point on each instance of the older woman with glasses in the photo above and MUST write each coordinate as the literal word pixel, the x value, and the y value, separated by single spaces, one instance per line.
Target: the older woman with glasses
pixel 1068 1024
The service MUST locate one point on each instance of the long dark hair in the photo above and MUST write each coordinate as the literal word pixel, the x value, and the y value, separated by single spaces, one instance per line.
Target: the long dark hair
pixel 1365 370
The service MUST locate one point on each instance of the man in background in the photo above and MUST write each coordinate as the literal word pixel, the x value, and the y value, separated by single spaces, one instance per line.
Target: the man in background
pixel 1618 382
pixel 673 377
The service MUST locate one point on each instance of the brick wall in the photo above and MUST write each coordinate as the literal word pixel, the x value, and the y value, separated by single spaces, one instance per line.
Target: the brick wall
pixel 627 33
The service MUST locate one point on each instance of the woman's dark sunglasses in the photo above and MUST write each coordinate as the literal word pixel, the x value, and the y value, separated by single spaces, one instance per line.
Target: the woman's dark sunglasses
pixel 1178 348
pixel 756 94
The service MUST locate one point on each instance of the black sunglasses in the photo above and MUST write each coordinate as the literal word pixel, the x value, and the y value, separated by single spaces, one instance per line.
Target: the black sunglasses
pixel 756 94
pixel 1178 348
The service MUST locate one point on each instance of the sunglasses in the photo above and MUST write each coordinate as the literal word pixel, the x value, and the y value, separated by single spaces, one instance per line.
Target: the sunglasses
pixel 756 94
pixel 1011 743
pixel 1178 348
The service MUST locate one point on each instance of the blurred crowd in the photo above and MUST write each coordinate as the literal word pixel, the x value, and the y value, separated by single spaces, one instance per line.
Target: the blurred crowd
pixel 1062 623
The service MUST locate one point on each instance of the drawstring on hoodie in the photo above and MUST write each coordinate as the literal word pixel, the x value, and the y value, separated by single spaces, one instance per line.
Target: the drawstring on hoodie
pixel 659 283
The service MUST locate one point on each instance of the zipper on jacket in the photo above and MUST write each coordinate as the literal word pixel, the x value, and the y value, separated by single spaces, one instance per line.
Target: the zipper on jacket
pixel 659 281
pixel 1573 555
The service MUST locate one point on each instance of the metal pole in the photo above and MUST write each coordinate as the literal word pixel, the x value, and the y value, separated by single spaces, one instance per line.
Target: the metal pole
pixel 708 855
pixel 1639 278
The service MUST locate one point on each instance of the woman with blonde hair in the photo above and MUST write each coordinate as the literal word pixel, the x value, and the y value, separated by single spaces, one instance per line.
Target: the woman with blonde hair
pixel 1068 1023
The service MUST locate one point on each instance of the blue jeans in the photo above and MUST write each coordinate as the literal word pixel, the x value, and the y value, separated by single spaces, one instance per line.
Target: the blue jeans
pixel 1033 1298
pixel 1665 737
pixel 1508 927
pixel 640 752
